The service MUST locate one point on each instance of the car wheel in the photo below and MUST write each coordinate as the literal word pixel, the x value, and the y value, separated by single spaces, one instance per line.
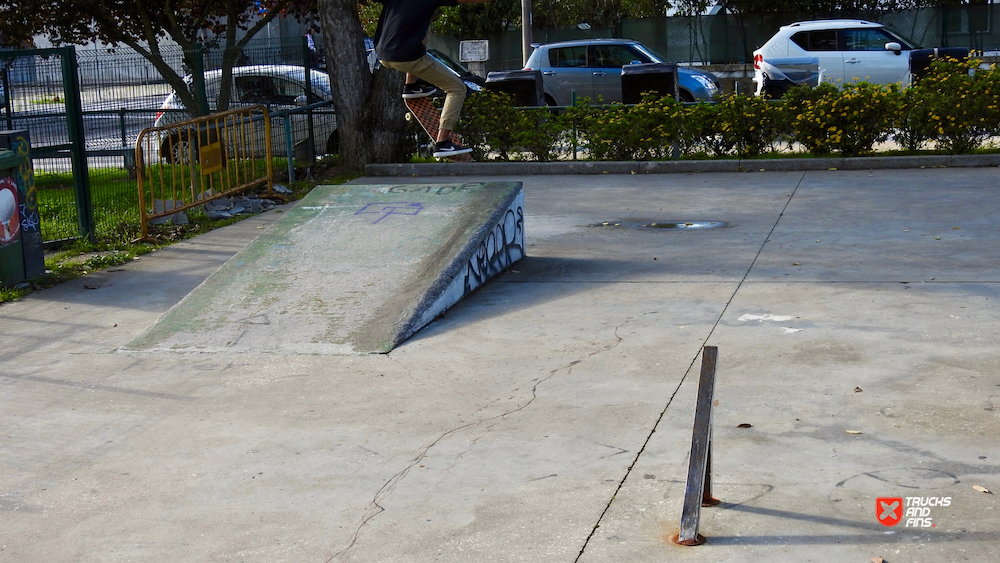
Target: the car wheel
pixel 550 101
pixel 685 96
pixel 177 150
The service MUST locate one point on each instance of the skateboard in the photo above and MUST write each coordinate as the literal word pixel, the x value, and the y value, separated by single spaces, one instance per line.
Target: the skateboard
pixel 429 117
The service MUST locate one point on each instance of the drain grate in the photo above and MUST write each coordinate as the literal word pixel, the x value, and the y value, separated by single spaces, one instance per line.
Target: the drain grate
pixel 686 225
pixel 670 225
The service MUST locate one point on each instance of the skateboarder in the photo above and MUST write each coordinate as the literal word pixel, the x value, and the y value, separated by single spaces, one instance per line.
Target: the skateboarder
pixel 399 42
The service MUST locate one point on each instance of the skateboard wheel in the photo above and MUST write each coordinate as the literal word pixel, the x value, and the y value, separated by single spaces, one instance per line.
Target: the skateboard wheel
pixel 409 116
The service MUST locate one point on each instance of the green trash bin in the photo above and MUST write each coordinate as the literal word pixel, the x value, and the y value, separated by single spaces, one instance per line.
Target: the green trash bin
pixel 21 252
pixel 33 251
pixel 11 253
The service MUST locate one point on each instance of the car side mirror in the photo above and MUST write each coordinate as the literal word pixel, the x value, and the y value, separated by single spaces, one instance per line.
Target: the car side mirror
pixel 636 62
pixel 300 100
pixel 894 47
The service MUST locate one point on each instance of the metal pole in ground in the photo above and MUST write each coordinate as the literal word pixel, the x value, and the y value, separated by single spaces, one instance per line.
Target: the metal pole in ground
pixel 78 155
pixel 698 492
pixel 526 29
pixel 289 148
pixel 307 66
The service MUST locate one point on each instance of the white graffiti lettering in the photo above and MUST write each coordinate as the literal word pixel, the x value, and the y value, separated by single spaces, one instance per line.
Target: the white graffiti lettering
pixel 502 247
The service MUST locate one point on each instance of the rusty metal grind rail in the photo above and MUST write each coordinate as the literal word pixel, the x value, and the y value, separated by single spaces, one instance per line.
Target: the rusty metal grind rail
pixel 698 492
pixel 185 164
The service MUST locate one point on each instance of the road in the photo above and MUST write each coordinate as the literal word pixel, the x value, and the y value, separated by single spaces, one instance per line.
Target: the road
pixel 104 125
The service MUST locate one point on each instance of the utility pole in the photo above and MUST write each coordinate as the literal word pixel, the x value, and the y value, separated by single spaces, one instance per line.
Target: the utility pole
pixel 525 30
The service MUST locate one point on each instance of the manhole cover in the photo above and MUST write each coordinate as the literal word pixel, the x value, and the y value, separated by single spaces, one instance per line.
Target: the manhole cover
pixel 686 225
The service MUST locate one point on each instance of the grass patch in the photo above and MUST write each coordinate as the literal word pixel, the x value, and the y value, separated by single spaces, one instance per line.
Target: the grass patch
pixel 12 294
pixel 51 100
pixel 115 197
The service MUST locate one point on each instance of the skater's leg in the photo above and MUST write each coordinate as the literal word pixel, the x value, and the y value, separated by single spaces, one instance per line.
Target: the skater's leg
pixel 431 70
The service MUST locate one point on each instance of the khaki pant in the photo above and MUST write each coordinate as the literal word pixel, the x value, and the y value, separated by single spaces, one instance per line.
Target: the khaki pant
pixel 430 69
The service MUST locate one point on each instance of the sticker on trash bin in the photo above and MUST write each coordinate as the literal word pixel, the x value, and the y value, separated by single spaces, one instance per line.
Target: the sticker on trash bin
pixel 10 219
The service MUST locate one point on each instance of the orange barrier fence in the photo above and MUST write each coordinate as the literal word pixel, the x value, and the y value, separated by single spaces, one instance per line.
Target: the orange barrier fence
pixel 182 165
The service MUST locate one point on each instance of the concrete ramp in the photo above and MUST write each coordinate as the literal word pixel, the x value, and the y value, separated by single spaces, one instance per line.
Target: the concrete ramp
pixel 351 269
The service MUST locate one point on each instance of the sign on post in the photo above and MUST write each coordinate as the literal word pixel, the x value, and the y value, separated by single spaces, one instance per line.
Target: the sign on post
pixel 474 51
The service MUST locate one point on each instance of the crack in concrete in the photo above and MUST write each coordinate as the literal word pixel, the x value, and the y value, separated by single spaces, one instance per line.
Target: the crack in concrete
pixel 375 507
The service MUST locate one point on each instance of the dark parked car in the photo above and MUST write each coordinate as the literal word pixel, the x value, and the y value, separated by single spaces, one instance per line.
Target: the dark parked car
pixel 474 82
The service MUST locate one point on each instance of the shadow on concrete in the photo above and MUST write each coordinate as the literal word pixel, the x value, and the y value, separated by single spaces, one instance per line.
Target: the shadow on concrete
pixel 551 279
pixel 134 286
pixel 98 387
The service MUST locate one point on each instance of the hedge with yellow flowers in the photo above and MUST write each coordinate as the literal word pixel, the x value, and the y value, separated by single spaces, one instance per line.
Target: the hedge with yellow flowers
pixel 955 108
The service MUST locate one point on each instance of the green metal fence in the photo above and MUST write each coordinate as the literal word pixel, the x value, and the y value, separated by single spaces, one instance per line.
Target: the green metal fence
pixel 42 95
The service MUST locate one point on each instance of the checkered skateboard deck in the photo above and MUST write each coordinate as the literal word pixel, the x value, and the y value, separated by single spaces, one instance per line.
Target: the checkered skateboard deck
pixel 429 118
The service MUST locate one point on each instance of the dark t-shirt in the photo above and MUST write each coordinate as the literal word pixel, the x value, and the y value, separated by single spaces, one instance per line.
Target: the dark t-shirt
pixel 403 26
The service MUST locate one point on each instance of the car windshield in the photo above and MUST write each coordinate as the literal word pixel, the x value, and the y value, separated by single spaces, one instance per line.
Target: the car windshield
pixel 905 43
pixel 651 53
pixel 448 62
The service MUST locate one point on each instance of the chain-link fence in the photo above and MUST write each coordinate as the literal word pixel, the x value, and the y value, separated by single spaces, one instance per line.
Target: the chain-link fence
pixel 120 93
pixel 40 97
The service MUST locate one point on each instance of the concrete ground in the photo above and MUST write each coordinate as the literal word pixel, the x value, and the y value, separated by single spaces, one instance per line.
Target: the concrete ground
pixel 548 416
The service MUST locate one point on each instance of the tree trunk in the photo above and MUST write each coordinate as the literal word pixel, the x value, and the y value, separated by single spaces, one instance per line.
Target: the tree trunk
pixel 370 111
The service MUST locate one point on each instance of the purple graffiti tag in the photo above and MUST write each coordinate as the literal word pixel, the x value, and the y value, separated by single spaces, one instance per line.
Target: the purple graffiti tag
pixel 391 208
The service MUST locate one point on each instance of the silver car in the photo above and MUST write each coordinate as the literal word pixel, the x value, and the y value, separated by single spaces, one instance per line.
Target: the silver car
pixel 592 68
pixel 279 87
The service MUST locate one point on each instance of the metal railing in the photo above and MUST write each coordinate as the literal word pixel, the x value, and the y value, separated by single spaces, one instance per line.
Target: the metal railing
pixel 202 159
pixel 698 491
pixel 307 153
